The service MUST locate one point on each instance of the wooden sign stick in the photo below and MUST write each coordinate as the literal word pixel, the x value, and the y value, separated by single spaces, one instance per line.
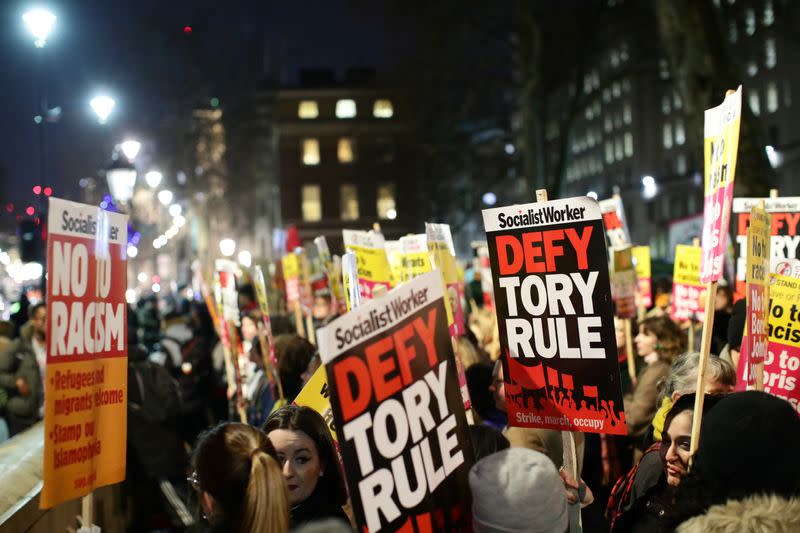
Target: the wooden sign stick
pixel 705 349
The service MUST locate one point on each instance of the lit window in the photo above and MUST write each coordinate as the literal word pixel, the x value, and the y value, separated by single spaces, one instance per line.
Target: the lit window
pixel 348 202
pixel 770 54
pixel 346 150
pixel 680 165
pixel 666 106
pixel 667 135
pixel 312 203
pixel 589 113
pixel 616 89
pixel 618 149
pixel 387 209
pixel 663 69
pixel 608 124
pixel 614 58
pixel 382 109
pixel 680 134
pixel 626 113
pixel 345 108
pixel 750 22
pixel 609 152
pixel 772 97
pixel 755 103
pixel 677 100
pixel 752 68
pixel 628 144
pixel 307 109
pixel 769 13
pixel 733 32
pixel 310 152
pixel 623 52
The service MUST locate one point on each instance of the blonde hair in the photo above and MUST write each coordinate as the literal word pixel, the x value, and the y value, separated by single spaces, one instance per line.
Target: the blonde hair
pixel 235 463
pixel 470 354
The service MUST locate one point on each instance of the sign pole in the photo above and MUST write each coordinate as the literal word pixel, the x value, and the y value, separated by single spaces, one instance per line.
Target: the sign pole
pixel 705 349
pixel 629 350
pixel 87 511
pixel 568 443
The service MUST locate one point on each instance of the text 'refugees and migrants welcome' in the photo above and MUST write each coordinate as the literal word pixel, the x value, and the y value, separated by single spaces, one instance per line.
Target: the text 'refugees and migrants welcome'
pixel 555 316
pixel 398 411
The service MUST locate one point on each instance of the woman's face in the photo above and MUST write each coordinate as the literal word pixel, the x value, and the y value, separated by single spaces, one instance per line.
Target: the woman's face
pixel 619 331
pixel 299 457
pixel 722 303
pixel 249 329
pixel 676 443
pixel 715 387
pixel 646 342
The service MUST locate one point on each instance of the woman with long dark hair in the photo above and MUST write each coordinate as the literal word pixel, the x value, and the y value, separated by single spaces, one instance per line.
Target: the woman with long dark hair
pixel 305 448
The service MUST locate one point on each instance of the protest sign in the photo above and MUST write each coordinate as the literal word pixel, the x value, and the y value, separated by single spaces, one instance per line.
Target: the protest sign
pixel 784 240
pixel 687 291
pixel 373 266
pixel 332 271
pixel 483 270
pixel 644 276
pixel 553 302
pixel 721 145
pixel 291 277
pixel 758 255
pixel 398 411
pixel 316 395
pixel 226 273
pixel 614 222
pixel 265 339
pixel 785 267
pixel 782 361
pixel 394 251
pixel 86 371
pixel 623 286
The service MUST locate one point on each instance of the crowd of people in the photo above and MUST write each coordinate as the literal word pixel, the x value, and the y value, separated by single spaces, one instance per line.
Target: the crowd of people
pixel 193 464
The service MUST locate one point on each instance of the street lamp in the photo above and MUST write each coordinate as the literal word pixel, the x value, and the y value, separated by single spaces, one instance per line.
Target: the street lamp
pixel 649 187
pixel 40 23
pixel 165 197
pixel 130 148
pixel 153 178
pixel 245 258
pixel 121 178
pixel 227 247
pixel 102 106
pixel 175 210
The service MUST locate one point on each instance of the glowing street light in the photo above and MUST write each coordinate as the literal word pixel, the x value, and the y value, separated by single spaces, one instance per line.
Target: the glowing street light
pixel 165 197
pixel 102 106
pixel 131 148
pixel 592 195
pixel 175 210
pixel 153 178
pixel 245 258
pixel 227 247
pixel 649 187
pixel 40 23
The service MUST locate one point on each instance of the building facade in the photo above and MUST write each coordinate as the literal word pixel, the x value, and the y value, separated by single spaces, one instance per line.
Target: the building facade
pixel 346 159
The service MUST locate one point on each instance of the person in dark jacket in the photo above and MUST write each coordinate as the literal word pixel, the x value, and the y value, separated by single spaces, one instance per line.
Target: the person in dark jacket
pixel 21 366
pixel 156 458
pixel 310 464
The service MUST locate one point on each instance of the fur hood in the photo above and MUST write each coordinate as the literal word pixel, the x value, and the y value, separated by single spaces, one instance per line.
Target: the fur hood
pixel 751 515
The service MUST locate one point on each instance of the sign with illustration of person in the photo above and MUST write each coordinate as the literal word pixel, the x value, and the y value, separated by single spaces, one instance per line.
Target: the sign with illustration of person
pixel 86 371
pixel 398 411
pixel 556 320
pixel 614 222
pixel 784 235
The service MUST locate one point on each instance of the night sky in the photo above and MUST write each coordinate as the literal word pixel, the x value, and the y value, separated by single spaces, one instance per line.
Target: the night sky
pixel 137 51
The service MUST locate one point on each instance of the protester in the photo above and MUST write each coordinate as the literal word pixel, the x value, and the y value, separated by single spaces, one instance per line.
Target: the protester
pixel 486 441
pixel 722 314
pixel 682 379
pixel 622 356
pixel 517 490
pixel 247 298
pixel 643 500
pixel 662 298
pixel 21 372
pixel 259 392
pixel 294 354
pixel 746 473
pixel 484 397
pixel 735 333
pixel 470 354
pixel 305 449
pixel 239 481
pixel 659 341
pixel 156 457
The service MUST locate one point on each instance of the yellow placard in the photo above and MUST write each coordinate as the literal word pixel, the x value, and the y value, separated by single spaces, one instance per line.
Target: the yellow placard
pixel 316 395
pixel 641 259
pixel 758 247
pixel 687 265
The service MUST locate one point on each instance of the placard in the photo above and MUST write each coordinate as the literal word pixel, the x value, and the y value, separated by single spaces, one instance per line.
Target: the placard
pixel 688 294
pixel 397 406
pixel 644 276
pixel 556 321
pixel 614 222
pixel 373 265
pixel 86 374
